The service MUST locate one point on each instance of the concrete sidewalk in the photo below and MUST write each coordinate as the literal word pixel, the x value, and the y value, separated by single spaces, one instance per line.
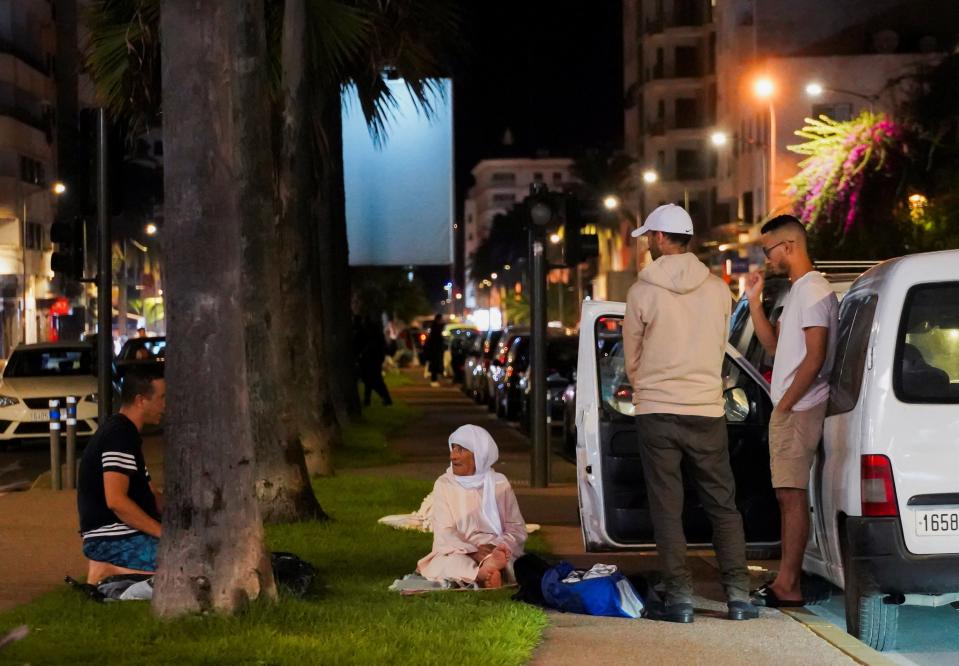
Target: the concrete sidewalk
pixel 577 639
pixel 39 544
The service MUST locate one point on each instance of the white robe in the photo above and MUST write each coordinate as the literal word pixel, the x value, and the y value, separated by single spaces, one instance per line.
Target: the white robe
pixel 459 529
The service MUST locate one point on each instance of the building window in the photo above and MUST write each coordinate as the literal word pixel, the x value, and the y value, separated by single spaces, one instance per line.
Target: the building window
pixel 503 178
pixel 32 171
pixel 538 177
pixel 689 166
pixel 687 62
pixel 503 199
pixel 34 240
pixel 557 178
pixel 687 115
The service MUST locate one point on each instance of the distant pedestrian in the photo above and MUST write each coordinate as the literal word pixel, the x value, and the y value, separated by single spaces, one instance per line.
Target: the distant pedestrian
pixel 372 355
pixel 435 348
pixel 802 344
pixel 674 333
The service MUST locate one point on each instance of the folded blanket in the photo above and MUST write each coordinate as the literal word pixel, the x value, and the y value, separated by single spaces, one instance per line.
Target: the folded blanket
pixel 421 519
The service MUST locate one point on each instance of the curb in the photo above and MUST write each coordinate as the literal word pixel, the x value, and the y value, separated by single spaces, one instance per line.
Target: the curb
pixel 829 632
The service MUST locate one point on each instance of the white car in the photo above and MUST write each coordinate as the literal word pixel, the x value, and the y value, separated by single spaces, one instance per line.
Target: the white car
pixel 33 376
pixel 884 489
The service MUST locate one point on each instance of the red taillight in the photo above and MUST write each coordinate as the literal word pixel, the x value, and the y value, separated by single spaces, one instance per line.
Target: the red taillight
pixel 422 337
pixel 878 490
pixel 509 372
pixel 768 376
pixel 624 393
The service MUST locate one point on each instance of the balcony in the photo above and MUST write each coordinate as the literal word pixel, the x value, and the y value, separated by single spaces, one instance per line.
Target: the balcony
pixel 23 56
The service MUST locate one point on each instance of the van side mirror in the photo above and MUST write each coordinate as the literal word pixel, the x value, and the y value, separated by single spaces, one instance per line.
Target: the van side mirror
pixel 737 405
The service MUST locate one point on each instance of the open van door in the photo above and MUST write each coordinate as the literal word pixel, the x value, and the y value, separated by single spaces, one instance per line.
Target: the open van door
pixel 614 510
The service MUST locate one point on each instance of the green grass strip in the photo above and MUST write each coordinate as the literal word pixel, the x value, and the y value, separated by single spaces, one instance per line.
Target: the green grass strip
pixel 349 619
pixel 366 439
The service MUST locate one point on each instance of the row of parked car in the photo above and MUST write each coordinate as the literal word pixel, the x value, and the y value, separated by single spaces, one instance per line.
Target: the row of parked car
pixel 35 374
pixel 496 373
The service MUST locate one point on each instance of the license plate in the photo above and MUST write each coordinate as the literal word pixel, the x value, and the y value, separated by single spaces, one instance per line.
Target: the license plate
pixel 39 415
pixel 935 523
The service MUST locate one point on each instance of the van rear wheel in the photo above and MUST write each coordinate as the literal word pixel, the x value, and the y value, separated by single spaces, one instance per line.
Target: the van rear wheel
pixel 867 618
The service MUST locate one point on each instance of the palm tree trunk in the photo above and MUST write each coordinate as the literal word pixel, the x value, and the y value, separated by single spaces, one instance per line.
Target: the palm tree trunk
pixel 282 483
pixel 212 555
pixel 303 364
pixel 334 264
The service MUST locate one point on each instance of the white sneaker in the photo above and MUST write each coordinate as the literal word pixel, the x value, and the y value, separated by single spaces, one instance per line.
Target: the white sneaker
pixel 434 384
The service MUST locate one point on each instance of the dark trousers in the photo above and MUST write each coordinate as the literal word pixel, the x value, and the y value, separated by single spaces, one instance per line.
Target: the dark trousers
pixel 373 381
pixel 666 440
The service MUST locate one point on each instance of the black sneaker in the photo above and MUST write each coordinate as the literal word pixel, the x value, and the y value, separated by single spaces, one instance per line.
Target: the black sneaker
pixel 741 610
pixel 682 613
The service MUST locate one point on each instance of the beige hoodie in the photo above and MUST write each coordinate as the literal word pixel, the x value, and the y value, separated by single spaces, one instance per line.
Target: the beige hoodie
pixel 677 319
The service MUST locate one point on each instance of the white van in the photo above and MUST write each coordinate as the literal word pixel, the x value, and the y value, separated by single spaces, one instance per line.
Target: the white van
pixel 884 490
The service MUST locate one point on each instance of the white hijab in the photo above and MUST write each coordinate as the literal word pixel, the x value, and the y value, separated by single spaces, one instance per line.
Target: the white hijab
pixel 485 453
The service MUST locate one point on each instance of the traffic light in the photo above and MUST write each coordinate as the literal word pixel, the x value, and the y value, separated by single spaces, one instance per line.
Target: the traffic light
pixel 579 246
pixel 68 259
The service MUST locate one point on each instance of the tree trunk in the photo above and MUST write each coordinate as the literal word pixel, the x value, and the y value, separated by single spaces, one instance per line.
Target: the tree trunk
pixel 334 264
pixel 303 365
pixel 282 483
pixel 212 555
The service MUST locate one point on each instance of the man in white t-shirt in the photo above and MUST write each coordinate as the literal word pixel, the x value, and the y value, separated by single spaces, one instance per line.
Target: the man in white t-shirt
pixel 802 344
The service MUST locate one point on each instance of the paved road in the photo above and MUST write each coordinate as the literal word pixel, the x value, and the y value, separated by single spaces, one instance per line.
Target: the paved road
pixel 927 636
pixel 21 464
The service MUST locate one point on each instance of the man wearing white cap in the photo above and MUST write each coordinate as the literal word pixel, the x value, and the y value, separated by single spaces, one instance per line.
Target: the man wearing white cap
pixel 674 333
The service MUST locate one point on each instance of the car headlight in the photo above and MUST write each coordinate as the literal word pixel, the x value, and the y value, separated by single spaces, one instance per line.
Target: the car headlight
pixel 7 401
pixel 90 398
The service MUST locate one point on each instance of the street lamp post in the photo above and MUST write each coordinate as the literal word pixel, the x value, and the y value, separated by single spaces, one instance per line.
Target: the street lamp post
pixel 58 189
pixel 765 89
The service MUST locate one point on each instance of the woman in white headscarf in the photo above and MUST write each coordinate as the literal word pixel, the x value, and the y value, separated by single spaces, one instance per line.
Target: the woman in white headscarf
pixel 478 530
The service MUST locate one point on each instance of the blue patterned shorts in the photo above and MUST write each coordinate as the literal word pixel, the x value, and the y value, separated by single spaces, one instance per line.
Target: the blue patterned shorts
pixel 138 551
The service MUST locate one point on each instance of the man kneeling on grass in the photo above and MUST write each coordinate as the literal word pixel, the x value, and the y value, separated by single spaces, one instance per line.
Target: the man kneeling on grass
pixel 119 507
pixel 478 530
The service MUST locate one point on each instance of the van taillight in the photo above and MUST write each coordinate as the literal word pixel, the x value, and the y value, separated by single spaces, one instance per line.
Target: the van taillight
pixel 878 491
pixel 509 372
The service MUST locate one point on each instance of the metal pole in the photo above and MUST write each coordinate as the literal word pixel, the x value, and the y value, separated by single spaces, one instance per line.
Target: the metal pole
pixel 23 243
pixel 55 482
pixel 71 480
pixel 772 158
pixel 540 462
pixel 104 279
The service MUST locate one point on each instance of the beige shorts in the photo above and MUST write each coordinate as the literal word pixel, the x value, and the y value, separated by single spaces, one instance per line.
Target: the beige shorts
pixel 793 441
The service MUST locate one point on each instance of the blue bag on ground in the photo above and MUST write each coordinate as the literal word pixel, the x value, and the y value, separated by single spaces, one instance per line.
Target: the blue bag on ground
pixel 610 596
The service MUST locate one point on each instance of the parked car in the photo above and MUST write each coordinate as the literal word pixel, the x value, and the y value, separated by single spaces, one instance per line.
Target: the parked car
pixel 460 342
pixel 884 488
pixel 508 389
pixel 38 373
pixel 480 381
pixel 498 362
pixel 560 368
pixel 839 274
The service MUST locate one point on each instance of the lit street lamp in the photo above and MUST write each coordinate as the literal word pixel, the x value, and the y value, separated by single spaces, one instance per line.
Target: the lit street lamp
pixel 611 202
pixel 59 188
pixel 151 229
pixel 554 239
pixel 719 138
pixel 650 176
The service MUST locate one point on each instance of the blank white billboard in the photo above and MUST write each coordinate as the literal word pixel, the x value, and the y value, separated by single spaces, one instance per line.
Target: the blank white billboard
pixel 399 195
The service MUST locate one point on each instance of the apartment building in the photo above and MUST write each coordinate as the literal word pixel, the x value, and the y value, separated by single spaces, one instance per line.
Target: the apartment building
pixel 27 165
pixel 499 185
pixel 777 65
pixel 670 88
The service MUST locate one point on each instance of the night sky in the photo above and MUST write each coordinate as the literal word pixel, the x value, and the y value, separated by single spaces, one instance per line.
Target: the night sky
pixel 549 71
